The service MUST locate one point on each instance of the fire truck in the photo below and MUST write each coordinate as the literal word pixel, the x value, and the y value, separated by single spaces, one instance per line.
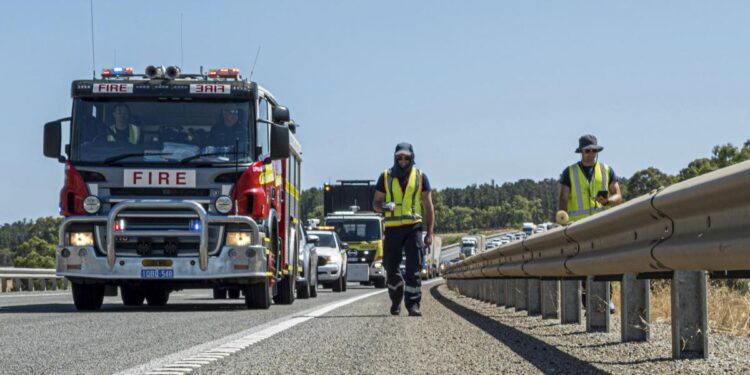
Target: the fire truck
pixel 176 181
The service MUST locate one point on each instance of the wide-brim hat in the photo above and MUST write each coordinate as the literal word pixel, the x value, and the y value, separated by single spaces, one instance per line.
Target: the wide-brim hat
pixel 588 142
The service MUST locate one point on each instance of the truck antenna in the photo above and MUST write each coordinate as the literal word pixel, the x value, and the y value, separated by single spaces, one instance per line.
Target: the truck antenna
pixel 236 171
pixel 93 54
pixel 182 53
pixel 257 53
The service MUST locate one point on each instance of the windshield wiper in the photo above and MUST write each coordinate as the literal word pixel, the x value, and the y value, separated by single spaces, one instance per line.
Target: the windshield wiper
pixel 198 156
pixel 116 158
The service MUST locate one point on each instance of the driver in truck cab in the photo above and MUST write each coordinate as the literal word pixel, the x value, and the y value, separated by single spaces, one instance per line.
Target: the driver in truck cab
pixel 122 128
pixel 229 129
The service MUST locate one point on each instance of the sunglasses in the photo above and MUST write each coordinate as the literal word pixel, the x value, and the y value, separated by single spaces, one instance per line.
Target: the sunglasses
pixel 407 158
pixel 232 111
pixel 590 151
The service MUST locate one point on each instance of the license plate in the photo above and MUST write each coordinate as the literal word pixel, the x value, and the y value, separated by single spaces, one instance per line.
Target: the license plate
pixel 358 272
pixel 157 273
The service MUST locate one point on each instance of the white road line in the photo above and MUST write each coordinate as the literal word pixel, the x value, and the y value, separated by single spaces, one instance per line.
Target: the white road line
pixel 207 353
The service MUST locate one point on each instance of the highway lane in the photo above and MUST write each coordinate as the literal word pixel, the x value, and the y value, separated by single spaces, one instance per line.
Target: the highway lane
pixel 42 332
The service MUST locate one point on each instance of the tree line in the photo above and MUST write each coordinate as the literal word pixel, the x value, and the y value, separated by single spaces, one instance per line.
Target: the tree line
pixel 489 206
pixel 31 243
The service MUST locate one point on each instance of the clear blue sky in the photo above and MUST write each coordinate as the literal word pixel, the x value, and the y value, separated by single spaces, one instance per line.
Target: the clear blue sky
pixel 483 89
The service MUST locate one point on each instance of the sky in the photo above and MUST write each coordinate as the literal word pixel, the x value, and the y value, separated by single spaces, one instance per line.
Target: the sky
pixel 484 90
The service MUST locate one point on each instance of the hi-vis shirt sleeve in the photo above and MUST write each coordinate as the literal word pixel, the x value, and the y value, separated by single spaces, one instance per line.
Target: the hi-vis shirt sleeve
pixel 380 185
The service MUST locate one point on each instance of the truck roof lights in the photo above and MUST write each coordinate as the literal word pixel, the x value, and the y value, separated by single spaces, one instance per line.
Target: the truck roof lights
pixel 117 72
pixel 224 73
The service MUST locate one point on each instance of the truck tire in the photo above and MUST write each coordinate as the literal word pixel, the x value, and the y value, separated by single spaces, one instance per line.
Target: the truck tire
pixel 132 296
pixel 343 283
pixel 220 293
pixel 258 295
pixel 87 297
pixel 234 293
pixel 380 283
pixel 157 296
pixel 286 290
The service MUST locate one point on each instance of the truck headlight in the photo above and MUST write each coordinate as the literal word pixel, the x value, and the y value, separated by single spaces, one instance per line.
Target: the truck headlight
pixel 238 239
pixel 331 258
pixel 82 239
pixel 91 204
pixel 223 204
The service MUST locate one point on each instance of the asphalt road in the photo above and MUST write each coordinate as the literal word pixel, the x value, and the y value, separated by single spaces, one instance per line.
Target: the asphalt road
pixel 344 333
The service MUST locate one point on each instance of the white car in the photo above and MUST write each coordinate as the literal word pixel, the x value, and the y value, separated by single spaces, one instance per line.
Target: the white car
pixel 331 260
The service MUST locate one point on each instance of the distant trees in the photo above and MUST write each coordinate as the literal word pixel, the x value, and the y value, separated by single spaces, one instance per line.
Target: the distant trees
pixel 487 206
pixel 28 243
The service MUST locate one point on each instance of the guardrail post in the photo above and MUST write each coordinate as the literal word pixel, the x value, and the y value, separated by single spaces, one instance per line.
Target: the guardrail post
pixel 485 290
pixel 597 305
pixel 522 289
pixel 501 292
pixel 636 308
pixel 550 299
pixel 54 283
pixel 510 293
pixel 43 284
pixel 16 285
pixel 3 285
pixel 534 295
pixel 30 285
pixel 689 315
pixel 65 283
pixel 570 312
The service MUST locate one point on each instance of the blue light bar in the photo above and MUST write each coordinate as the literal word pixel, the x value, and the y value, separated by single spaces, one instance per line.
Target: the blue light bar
pixel 195 225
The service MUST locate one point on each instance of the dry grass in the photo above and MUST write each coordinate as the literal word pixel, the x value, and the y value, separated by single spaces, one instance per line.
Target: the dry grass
pixel 728 309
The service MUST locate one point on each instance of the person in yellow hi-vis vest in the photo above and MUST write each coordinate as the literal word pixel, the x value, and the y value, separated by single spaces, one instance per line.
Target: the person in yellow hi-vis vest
pixel 122 130
pixel 588 187
pixel 404 196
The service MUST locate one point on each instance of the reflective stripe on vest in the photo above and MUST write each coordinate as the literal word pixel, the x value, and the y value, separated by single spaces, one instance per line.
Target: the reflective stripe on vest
pixel 408 201
pixel 134 134
pixel 582 202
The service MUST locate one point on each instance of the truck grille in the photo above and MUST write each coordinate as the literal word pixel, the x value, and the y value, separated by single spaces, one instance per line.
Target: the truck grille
pixel 158 192
pixel 158 245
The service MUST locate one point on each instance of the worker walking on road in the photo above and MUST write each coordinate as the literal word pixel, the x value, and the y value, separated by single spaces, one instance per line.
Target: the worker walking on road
pixel 400 194
pixel 588 187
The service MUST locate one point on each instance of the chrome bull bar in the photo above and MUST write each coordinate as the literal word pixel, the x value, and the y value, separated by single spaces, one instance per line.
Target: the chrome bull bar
pixel 205 220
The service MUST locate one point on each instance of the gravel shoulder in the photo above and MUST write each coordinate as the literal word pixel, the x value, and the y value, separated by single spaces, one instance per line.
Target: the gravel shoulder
pixel 462 335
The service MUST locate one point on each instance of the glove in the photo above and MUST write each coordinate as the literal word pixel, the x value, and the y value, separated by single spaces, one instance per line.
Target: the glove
pixel 390 206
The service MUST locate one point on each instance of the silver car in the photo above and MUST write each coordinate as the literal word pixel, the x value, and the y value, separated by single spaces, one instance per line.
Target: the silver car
pixel 307 278
pixel 331 260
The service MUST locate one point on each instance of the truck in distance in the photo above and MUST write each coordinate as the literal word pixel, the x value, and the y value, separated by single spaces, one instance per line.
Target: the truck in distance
pixel 348 208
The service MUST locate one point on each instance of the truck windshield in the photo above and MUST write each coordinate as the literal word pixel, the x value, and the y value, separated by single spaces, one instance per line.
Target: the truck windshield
pixel 182 132
pixel 356 230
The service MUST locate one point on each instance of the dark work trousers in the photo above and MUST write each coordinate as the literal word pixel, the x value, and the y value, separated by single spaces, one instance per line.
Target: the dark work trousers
pixel 399 240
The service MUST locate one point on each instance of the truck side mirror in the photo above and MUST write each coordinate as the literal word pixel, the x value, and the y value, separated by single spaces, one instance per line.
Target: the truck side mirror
pixel 280 114
pixel 279 142
pixel 53 139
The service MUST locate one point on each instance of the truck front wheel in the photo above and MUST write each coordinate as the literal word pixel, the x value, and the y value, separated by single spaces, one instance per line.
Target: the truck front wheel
pixel 157 297
pixel 132 296
pixel 88 296
pixel 258 295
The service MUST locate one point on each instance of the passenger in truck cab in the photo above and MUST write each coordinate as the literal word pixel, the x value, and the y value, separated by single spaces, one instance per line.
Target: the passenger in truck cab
pixel 230 128
pixel 122 128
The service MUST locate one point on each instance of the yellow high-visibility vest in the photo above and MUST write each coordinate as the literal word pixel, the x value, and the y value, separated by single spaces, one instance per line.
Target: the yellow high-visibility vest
pixel 582 202
pixel 408 202
pixel 134 134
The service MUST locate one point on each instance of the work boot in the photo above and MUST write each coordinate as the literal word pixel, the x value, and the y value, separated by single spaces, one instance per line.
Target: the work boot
pixel 396 309
pixel 414 310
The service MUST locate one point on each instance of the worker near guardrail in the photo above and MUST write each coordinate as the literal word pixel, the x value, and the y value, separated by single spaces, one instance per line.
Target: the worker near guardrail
pixel 588 187
pixel 400 194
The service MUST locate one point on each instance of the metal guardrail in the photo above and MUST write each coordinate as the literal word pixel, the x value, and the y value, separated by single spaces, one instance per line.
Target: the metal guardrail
pixel 682 232
pixel 30 279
